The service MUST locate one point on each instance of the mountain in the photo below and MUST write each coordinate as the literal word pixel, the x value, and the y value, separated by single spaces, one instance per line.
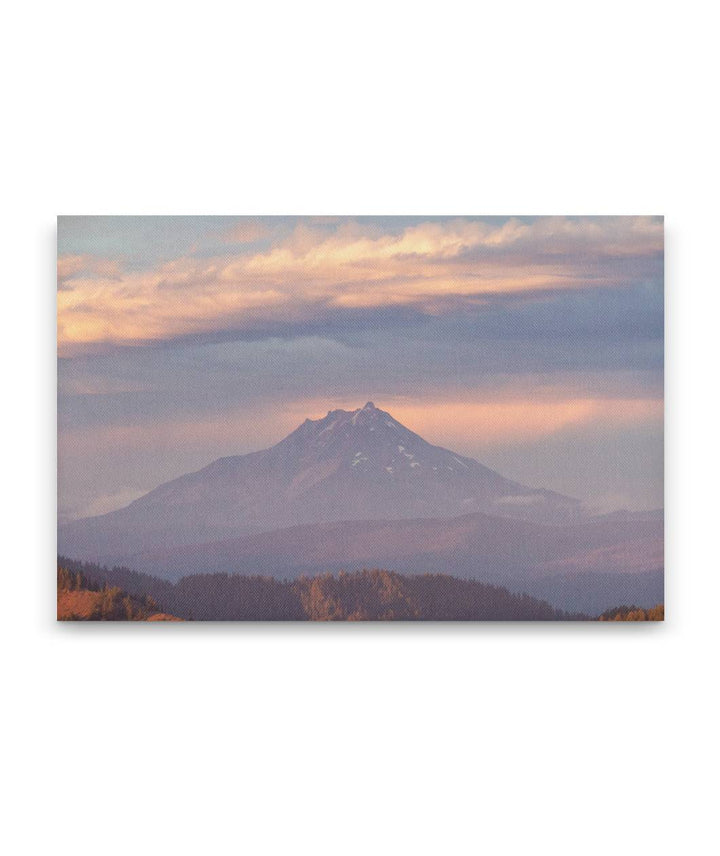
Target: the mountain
pixel 350 465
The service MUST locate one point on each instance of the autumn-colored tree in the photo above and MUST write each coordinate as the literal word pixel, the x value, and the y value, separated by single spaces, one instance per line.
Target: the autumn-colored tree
pixel 85 597
pixel 634 613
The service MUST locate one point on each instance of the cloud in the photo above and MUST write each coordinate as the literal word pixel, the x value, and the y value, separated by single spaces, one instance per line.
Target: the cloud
pixel 248 230
pixel 74 266
pixel 507 421
pixel 101 505
pixel 487 422
pixel 324 267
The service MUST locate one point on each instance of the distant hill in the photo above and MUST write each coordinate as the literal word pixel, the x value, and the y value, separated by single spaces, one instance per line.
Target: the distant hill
pixel 587 566
pixel 475 545
pixel 349 465
pixel 595 592
pixel 368 595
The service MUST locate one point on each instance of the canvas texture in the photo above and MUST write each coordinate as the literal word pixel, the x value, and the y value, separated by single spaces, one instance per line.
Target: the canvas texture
pixel 360 418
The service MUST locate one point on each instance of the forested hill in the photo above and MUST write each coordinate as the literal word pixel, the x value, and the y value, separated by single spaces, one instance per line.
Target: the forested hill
pixel 370 595
pixel 80 598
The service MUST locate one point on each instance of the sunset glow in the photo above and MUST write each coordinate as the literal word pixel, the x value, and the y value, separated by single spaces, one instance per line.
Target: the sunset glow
pixel 535 342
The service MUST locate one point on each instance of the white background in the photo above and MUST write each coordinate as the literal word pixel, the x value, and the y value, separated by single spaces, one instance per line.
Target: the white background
pixel 359 739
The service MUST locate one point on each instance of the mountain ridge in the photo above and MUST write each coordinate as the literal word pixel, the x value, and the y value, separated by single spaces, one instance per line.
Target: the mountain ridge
pixel 475 546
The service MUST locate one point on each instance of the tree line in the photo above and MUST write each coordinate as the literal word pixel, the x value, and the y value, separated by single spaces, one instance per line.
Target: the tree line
pixel 368 595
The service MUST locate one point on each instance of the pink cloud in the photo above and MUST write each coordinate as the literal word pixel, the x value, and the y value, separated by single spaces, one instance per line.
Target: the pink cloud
pixel 349 265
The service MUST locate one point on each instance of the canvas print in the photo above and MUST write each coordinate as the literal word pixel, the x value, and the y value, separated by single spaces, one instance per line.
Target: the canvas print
pixel 360 418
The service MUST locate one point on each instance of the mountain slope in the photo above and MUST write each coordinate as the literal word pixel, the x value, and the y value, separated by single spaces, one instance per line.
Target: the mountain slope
pixel 350 465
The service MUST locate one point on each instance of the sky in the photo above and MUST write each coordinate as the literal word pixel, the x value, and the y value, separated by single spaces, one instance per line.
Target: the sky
pixel 533 344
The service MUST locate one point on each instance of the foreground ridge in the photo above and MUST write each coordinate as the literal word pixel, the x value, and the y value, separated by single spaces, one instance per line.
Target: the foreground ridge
pixel 368 595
